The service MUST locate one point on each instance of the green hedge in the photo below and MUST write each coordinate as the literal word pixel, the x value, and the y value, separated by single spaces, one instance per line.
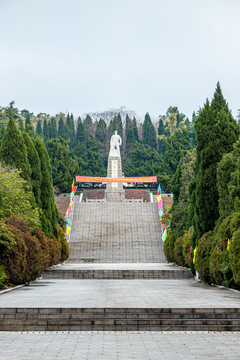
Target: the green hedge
pixel 30 253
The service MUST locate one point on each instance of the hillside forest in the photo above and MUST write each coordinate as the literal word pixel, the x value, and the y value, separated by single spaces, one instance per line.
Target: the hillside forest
pixel 196 159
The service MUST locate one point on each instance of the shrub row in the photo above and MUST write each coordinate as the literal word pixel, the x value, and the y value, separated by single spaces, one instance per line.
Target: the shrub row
pixel 28 252
pixel 218 253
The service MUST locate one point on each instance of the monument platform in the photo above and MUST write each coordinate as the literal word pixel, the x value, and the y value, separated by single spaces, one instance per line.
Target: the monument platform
pixel 119 305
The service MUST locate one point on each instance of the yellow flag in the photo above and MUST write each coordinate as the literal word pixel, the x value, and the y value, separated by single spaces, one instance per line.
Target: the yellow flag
pixel 228 244
pixel 194 254
pixel 73 183
pixel 68 230
pixel 159 197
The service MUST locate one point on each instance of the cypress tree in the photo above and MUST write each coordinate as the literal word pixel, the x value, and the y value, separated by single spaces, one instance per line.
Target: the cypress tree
pixel 119 125
pixel 69 131
pixel 135 129
pixel 149 133
pixel 88 124
pixel 63 166
pixel 61 127
pixel 49 210
pixel 95 163
pixel 45 130
pixel 34 161
pixel 20 124
pixel 129 133
pixel 160 127
pixel 13 151
pixel 52 128
pixel 72 132
pixel 39 128
pixel 162 147
pixel 101 132
pixel 2 131
pixel 112 127
pixel 216 132
pixel 29 126
pixel 27 122
pixel 81 133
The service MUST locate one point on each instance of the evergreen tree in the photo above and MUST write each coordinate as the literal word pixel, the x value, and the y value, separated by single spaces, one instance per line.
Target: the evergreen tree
pixel 101 133
pixel 29 126
pixel 160 127
pixel 39 128
pixel 45 130
pixel 95 163
pixel 80 154
pixel 69 131
pixel 64 168
pixel 129 134
pixel 2 131
pixel 149 133
pixel 112 127
pixel 88 125
pixel 72 134
pixel 216 132
pixel 61 127
pixel 34 161
pixel 228 181
pixel 13 151
pixel 49 210
pixel 119 125
pixel 81 133
pixel 52 128
pixel 142 160
pixel 28 122
pixel 180 183
pixel 161 142
pixel 135 129
pixel 20 124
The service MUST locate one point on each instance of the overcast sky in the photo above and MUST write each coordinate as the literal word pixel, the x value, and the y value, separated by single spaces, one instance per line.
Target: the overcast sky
pixel 92 55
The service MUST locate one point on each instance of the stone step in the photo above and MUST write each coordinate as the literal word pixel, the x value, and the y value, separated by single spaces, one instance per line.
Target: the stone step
pixel 117 274
pixel 116 232
pixel 120 319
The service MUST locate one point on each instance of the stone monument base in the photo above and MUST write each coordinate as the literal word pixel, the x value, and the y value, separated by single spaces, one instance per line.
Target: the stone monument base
pixel 114 191
pixel 115 195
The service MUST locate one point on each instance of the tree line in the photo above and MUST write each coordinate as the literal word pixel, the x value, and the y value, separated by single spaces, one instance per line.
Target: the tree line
pixel 82 146
pixel 31 228
pixel 205 218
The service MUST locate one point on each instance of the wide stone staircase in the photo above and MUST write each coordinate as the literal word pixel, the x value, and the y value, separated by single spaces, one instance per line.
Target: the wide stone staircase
pixel 117 279
pixel 114 232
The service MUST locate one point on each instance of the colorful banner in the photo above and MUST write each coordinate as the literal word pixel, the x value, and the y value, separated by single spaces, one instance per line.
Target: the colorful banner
pixel 160 212
pixel 68 226
pixel 91 179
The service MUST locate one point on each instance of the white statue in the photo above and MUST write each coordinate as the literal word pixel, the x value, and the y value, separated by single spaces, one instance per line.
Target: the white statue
pixel 115 143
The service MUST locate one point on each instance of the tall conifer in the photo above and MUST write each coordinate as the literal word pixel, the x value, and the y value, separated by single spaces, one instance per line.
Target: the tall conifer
pixel 49 210
pixel 13 151
pixel 101 132
pixel 61 127
pixel 39 128
pixel 45 130
pixel 216 132
pixel 34 161
pixel 81 133
pixel 149 133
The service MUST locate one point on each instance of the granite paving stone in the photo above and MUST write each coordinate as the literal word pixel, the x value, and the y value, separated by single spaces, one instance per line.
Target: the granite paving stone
pixel 119 345
pixel 121 294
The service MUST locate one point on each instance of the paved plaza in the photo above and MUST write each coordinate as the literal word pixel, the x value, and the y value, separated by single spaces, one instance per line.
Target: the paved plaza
pixel 120 294
pixel 141 292
pixel 119 345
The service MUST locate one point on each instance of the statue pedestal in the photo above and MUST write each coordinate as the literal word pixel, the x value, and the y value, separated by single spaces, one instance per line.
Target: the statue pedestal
pixel 114 191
